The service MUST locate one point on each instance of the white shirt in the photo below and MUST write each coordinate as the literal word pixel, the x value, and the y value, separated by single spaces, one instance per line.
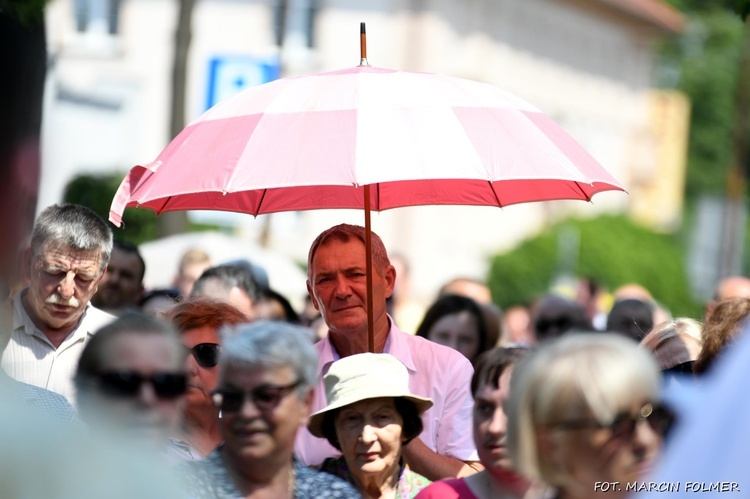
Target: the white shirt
pixel 31 358
pixel 435 371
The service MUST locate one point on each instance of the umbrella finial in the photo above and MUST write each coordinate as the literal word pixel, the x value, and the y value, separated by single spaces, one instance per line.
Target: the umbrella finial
pixel 363 45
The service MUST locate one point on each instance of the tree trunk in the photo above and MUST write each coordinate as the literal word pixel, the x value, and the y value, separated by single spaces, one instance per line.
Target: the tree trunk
pixel 176 222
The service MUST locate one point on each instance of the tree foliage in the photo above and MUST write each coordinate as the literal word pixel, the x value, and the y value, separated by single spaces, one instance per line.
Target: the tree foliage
pixel 708 59
pixel 97 191
pixel 612 250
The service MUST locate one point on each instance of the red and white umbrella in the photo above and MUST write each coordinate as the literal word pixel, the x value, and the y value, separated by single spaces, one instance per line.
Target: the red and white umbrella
pixel 322 141
pixel 309 142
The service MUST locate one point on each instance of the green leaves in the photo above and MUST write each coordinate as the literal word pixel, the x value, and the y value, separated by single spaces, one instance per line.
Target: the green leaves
pixel 97 192
pixel 612 250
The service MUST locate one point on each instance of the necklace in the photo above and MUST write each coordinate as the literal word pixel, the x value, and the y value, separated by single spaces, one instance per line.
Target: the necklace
pixel 292 482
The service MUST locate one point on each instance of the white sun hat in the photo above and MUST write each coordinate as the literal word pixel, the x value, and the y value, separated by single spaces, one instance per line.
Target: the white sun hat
pixel 361 377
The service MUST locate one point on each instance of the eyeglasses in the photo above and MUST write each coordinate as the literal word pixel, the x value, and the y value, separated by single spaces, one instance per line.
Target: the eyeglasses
pixel 206 354
pixel 123 384
pixel 265 397
pixel 658 417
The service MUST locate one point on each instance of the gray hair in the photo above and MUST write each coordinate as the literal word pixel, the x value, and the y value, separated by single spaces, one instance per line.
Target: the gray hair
pixel 72 225
pixel 573 377
pixel 228 276
pixel 269 344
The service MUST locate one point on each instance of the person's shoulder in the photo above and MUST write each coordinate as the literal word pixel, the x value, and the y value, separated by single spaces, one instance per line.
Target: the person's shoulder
pixel 96 318
pixel 317 484
pixel 46 402
pixel 211 465
pixel 454 488
pixel 205 477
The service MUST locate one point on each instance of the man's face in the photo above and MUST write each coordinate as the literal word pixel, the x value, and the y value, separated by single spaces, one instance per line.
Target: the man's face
pixel 238 298
pixel 122 284
pixel 338 286
pixel 145 415
pixel 490 423
pixel 268 433
pixel 188 275
pixel 62 280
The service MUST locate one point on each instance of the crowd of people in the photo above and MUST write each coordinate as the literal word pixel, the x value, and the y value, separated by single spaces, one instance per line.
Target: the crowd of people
pixel 238 396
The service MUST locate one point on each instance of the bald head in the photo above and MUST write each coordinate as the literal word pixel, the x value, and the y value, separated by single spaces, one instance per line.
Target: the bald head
pixel 632 291
pixel 733 287
pixel 728 288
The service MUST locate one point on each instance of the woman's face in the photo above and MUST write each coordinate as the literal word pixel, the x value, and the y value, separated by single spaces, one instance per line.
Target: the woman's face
pixel 624 452
pixel 370 433
pixel 201 380
pixel 458 331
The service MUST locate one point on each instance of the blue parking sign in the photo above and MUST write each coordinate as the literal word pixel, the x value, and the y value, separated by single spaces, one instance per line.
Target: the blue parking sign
pixel 230 74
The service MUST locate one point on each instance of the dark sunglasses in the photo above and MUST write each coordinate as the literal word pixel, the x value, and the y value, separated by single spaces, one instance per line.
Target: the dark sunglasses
pixel 206 354
pixel 125 384
pixel 658 417
pixel 683 368
pixel 265 397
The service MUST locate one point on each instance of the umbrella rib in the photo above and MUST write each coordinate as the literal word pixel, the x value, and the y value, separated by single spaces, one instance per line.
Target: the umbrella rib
pixel 494 193
pixel 262 198
pixel 164 205
pixel 586 196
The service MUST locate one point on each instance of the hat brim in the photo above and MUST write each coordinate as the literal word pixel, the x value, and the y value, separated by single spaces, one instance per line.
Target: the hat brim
pixel 315 424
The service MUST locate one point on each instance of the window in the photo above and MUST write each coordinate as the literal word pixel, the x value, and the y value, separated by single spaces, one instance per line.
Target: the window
pixel 97 16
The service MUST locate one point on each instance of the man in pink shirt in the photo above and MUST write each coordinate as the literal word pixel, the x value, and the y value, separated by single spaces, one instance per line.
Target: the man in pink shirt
pixel 337 285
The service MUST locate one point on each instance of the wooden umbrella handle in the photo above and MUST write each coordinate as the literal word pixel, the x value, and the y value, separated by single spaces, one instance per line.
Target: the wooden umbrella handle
pixel 363 45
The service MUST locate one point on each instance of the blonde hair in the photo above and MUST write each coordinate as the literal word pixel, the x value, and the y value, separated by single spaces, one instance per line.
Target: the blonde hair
pixel 573 377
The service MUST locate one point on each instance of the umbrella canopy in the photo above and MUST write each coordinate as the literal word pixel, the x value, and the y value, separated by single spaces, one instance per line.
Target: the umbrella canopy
pixel 311 142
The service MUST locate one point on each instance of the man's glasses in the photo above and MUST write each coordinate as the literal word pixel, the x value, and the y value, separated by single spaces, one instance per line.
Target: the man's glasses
pixel 206 354
pixel 658 417
pixel 265 397
pixel 124 384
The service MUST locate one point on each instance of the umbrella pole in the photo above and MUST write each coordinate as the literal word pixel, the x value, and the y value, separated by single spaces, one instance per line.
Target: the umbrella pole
pixel 368 271
pixel 368 228
pixel 363 45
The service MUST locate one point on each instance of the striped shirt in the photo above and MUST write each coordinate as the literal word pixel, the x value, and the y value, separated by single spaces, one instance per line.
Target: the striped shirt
pixel 31 358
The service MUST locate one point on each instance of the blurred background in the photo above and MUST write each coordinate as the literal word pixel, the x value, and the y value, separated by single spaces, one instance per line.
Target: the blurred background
pixel 658 91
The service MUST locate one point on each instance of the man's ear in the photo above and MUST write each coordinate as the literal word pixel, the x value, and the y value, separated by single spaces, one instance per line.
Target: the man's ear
pixel 27 259
pixel 390 280
pixel 312 296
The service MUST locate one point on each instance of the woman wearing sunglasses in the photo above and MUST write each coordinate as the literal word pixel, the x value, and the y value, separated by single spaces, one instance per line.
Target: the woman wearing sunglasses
pixel 131 379
pixel 266 378
pixel 584 415
pixel 198 322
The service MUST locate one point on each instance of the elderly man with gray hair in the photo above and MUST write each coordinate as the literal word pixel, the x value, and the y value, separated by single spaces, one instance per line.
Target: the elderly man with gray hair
pixel 267 371
pixel 52 317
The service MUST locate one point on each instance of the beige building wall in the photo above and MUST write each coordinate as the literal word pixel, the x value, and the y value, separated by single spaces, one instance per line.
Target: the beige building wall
pixel 658 180
pixel 586 64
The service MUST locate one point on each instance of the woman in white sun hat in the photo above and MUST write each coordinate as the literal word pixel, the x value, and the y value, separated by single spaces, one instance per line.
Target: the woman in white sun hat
pixel 370 416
